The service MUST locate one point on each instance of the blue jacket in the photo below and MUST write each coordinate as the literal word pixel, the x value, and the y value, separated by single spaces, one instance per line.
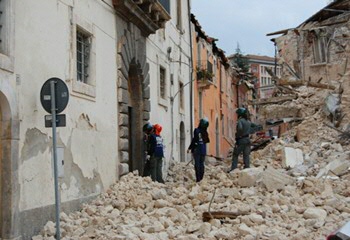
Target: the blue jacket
pixel 199 140
pixel 156 146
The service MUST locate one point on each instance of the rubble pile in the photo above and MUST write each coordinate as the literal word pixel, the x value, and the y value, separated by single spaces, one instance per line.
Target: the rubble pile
pixel 269 204
pixel 298 188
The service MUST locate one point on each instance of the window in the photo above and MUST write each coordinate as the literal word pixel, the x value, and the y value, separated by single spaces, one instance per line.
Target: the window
pixel 179 15
pixel 320 49
pixel 222 124
pixel 3 23
pixel 181 95
pixel 162 83
pixel 84 49
pixel 199 51
pixel 214 69
pixel 166 5
pixel 83 56
pixel 7 35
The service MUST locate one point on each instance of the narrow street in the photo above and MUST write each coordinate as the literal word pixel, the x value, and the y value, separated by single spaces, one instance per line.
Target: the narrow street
pixel 97 94
pixel 267 201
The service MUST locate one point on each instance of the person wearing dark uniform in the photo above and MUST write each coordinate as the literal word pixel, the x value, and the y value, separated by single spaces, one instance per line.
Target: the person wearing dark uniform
pixel 198 147
pixel 243 144
pixel 157 153
pixel 147 130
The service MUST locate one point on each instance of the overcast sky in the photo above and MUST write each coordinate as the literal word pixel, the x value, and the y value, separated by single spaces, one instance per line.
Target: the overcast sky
pixel 248 21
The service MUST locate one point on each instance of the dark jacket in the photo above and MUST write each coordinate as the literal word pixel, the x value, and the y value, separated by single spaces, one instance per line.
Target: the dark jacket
pixel 156 146
pixel 244 128
pixel 199 140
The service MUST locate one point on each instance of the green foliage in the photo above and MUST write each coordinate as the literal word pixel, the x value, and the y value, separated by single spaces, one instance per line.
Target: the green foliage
pixel 240 61
pixel 204 74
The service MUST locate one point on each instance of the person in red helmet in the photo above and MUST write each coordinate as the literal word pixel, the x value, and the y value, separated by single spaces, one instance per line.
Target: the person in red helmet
pixel 157 153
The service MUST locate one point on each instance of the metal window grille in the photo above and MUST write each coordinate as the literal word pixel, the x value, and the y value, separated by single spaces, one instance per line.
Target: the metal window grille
pixel 2 25
pixel 83 56
pixel 162 83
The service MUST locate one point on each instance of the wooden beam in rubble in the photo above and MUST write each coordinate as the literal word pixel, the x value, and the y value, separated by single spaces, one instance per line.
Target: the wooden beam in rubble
pixel 299 83
pixel 272 100
pixel 207 216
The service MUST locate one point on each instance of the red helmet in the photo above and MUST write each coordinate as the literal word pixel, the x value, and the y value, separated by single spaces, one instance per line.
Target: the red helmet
pixel 157 128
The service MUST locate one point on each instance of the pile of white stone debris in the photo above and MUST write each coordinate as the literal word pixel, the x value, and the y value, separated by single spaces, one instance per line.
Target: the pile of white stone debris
pixel 293 190
pixel 269 201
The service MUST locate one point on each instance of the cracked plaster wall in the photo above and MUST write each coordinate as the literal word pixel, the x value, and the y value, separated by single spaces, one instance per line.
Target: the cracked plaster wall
pixel 89 139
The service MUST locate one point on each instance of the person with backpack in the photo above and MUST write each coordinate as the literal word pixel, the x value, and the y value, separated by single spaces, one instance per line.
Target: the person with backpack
pixel 198 147
pixel 156 152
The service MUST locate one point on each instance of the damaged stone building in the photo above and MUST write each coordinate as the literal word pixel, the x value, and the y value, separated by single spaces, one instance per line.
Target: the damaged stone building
pixel 316 54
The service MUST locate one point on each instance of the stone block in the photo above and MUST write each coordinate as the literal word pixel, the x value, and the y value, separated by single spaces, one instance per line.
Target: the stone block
pixel 248 177
pixel 123 96
pixel 123 169
pixel 337 167
pixel 147 92
pixel 124 156
pixel 275 180
pixel 315 213
pixel 123 132
pixel 123 120
pixel 123 144
pixel 292 157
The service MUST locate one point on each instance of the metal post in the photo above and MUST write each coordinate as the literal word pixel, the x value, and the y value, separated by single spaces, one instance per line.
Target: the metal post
pixel 57 195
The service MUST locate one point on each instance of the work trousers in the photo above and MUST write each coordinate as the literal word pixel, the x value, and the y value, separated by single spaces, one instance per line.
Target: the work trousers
pixel 199 166
pixel 156 169
pixel 241 148
pixel 147 168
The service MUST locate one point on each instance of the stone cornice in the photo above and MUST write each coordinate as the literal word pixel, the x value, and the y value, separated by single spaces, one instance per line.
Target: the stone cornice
pixel 147 15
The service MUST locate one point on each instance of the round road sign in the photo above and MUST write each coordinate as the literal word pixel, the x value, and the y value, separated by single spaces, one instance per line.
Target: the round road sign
pixel 61 95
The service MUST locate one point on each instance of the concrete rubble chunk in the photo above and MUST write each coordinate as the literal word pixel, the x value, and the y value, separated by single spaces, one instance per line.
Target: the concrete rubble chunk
pixel 245 230
pixel 337 167
pixel 248 177
pixel 292 157
pixel 275 180
pixel 315 213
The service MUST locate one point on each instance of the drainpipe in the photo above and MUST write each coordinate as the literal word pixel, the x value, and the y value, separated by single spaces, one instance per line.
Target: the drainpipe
pixel 191 68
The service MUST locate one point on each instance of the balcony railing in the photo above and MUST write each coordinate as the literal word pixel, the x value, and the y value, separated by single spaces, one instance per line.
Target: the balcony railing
pixel 205 75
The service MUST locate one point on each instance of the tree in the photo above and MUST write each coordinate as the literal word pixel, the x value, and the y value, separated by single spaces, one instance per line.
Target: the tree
pixel 240 61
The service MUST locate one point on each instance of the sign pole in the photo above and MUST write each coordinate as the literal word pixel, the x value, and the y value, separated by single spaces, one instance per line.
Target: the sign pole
pixel 57 195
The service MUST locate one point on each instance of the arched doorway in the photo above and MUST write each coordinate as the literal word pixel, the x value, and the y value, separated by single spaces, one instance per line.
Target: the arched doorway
pixel 9 186
pixel 135 115
pixel 182 142
pixel 133 100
